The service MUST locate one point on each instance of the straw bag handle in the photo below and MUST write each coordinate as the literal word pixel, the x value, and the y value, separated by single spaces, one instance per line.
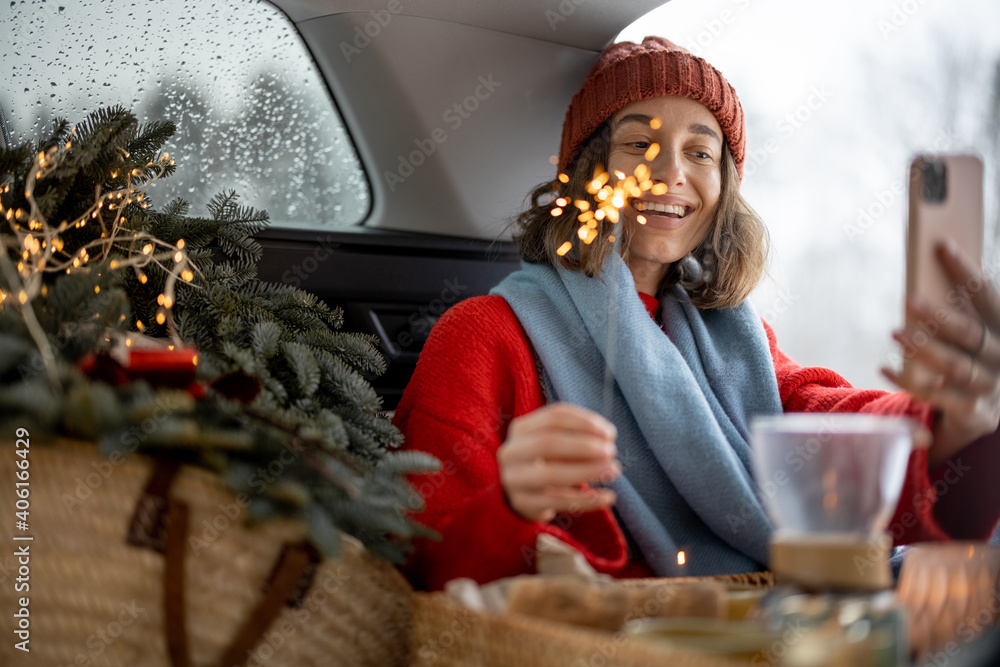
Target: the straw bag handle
pixel 161 523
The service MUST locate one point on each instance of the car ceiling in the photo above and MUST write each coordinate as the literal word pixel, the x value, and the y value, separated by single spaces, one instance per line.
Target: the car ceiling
pixel 593 24
pixel 456 107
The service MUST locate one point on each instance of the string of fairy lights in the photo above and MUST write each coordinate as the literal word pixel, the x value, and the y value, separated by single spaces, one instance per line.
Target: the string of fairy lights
pixel 41 249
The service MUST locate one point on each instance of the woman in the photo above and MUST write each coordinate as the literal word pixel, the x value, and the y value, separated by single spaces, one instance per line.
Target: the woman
pixel 652 286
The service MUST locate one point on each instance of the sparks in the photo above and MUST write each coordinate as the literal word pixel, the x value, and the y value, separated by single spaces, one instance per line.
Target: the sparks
pixel 564 248
pixel 652 152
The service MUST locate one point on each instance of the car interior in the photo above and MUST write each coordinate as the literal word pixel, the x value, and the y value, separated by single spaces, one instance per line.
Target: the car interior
pixel 436 235
pixel 392 141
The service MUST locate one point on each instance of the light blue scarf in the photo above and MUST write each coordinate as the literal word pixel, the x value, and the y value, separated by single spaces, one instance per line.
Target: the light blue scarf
pixel 681 402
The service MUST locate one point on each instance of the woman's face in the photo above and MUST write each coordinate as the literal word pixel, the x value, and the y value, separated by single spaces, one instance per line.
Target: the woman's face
pixel 688 163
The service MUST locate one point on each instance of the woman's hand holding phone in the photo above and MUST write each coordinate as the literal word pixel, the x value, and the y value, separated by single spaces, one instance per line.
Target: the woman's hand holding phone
pixel 551 456
pixel 963 354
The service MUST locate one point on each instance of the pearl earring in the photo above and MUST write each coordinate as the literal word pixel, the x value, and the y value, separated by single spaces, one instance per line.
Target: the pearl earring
pixel 692 272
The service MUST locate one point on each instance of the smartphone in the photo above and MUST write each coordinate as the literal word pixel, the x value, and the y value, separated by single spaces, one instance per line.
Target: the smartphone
pixel 945 201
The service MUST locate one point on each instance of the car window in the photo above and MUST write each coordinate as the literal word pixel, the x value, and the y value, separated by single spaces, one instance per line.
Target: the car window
pixel 837 96
pixel 252 112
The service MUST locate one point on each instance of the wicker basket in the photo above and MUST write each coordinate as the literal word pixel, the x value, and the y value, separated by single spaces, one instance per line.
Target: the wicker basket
pixel 446 633
pixel 96 598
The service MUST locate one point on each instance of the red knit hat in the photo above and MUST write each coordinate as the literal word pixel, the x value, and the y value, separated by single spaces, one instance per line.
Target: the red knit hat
pixel 627 72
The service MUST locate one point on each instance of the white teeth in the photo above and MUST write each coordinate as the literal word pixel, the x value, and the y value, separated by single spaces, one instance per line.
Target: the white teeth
pixel 661 208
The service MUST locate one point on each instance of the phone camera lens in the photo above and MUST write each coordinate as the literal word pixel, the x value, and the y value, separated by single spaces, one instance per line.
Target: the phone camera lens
pixel 935 181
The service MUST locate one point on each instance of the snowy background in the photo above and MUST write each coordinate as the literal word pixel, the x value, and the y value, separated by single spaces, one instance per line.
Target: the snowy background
pixel 838 95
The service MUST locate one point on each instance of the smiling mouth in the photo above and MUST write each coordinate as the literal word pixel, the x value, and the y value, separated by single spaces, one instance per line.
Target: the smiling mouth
pixel 667 210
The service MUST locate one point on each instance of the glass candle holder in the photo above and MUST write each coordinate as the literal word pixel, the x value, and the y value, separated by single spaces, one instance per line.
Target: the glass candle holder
pixel 830 483
pixel 950 591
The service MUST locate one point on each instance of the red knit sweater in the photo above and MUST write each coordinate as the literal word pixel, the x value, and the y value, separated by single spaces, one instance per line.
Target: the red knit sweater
pixel 477 372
